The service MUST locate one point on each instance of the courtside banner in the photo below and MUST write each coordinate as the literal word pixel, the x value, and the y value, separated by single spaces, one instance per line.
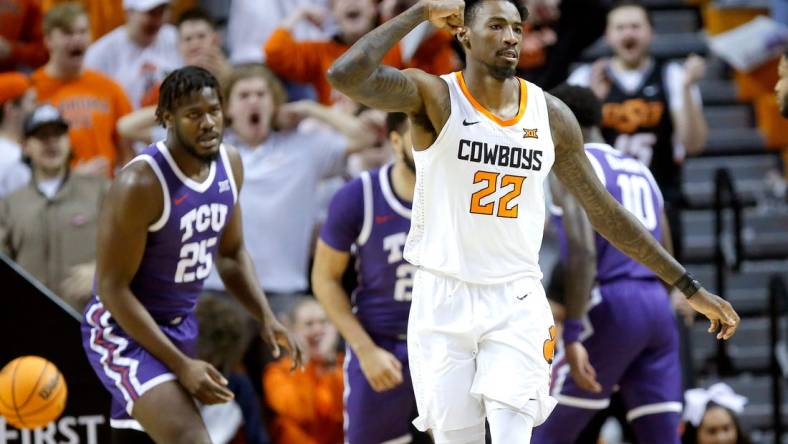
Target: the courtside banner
pixel 33 321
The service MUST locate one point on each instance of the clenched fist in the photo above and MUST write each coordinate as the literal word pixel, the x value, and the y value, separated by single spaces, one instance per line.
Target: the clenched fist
pixel 447 14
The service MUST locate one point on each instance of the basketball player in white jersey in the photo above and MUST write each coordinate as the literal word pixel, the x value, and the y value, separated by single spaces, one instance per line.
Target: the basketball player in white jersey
pixel 480 335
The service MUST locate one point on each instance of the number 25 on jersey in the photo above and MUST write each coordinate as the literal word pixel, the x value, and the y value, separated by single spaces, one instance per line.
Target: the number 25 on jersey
pixel 494 182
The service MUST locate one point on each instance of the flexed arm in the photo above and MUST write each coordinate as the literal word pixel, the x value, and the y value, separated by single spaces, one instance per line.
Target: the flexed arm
pixel 359 74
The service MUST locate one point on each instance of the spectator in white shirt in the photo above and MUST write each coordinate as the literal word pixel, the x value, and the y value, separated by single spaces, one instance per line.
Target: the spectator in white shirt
pixel 139 54
pixel 282 170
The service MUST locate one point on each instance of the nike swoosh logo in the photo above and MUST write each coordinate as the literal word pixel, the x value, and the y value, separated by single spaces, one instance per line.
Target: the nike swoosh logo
pixel 466 123
pixel 179 200
pixel 383 219
pixel 523 296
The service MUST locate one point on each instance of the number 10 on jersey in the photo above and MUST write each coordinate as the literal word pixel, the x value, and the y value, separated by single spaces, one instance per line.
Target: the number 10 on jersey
pixel 493 184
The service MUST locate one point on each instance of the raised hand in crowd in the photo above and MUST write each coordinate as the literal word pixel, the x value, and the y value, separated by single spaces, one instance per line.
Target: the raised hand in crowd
pixel 694 69
pixel 600 78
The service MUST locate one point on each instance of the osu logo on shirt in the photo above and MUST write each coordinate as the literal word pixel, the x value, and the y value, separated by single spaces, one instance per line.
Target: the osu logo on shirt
pixel 628 116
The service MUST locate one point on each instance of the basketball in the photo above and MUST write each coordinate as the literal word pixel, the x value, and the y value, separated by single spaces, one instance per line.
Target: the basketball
pixel 32 392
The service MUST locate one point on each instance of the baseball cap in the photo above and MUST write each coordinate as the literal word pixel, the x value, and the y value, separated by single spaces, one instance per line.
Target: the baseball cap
pixel 12 86
pixel 143 5
pixel 43 115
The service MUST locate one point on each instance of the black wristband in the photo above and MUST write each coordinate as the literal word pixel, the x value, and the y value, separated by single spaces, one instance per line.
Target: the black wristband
pixel 688 285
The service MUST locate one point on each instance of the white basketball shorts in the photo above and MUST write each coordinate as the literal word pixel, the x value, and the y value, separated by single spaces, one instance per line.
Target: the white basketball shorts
pixel 467 342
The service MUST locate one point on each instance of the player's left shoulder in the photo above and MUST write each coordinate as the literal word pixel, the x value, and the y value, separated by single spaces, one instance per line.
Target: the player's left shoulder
pixel 556 108
pixel 563 124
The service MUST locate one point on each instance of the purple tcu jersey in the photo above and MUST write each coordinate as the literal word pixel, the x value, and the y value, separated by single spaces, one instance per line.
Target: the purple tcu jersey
pixel 367 217
pixel 181 245
pixel 630 183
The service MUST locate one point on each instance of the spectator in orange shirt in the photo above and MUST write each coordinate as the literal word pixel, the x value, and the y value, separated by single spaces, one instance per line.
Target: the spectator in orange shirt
pixel 90 102
pixel 21 41
pixel 308 61
pixel 308 403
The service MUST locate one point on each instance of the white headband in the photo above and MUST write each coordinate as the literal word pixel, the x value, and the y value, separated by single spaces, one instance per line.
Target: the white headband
pixel 720 393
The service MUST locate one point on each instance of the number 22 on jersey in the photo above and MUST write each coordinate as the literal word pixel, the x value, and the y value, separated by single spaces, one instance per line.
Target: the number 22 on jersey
pixel 493 184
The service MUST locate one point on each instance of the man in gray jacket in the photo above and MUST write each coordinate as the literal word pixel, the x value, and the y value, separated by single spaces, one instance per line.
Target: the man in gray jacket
pixel 49 226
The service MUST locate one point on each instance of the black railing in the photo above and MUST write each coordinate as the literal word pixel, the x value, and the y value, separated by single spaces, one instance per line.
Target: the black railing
pixel 777 297
pixel 725 257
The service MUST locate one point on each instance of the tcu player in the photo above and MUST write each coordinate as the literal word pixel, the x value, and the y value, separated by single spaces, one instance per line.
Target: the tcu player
pixel 627 335
pixel 170 214
pixel 370 216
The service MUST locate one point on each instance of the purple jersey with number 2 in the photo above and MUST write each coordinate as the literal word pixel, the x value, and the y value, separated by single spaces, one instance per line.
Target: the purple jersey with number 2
pixel 368 219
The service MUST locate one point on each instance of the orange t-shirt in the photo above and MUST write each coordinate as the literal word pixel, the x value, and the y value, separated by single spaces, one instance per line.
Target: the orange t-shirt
pixel 92 104
pixel 308 61
pixel 308 404
pixel 20 24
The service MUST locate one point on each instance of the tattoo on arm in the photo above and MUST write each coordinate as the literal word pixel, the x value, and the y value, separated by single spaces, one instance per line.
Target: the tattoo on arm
pixel 359 74
pixel 388 89
pixel 607 216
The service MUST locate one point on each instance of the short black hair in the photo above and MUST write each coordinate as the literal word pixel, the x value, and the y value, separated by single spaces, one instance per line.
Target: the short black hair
pixel 396 122
pixel 472 7
pixel 196 14
pixel 182 83
pixel 631 4
pixel 583 103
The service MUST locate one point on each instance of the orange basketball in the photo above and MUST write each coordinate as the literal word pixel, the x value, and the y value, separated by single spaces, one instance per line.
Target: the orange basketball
pixel 32 392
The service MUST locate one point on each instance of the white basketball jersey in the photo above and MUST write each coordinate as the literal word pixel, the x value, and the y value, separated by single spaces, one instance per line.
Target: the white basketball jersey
pixel 479 205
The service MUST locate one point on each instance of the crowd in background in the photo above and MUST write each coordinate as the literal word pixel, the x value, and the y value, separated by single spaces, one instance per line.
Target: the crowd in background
pixel 78 91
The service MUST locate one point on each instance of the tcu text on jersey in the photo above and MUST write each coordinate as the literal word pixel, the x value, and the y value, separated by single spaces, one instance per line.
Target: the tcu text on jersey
pixel 394 244
pixel 207 216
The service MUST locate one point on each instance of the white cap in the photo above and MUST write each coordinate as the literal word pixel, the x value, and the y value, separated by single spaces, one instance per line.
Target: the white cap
pixel 143 5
